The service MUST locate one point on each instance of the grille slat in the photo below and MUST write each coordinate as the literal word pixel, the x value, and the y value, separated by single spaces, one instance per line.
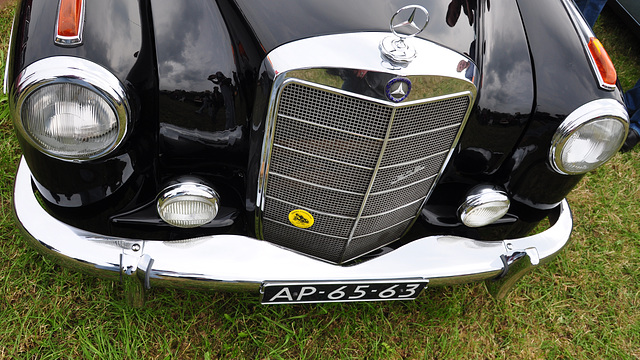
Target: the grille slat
pixel 340 156
pixel 399 176
pixel 346 113
pixel 307 195
pixel 374 224
pixel 324 224
pixel 363 245
pixel 321 172
pixel 381 202
pixel 327 143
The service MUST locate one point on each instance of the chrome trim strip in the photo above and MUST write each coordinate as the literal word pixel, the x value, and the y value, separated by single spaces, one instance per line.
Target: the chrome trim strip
pixel 425 132
pixel 392 210
pixel 414 161
pixel 584 30
pixel 310 231
pixel 586 33
pixel 303 60
pixel 382 230
pixel 233 262
pixel 70 41
pixel 5 83
pixel 312 209
pixel 371 183
pixel 316 185
pixel 404 186
pixel 81 72
pixel 325 126
pixel 342 237
pixel 343 216
pixel 331 160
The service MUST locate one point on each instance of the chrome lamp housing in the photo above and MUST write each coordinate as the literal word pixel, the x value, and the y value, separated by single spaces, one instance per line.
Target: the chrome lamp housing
pixel 188 205
pixel 70 108
pixel 589 137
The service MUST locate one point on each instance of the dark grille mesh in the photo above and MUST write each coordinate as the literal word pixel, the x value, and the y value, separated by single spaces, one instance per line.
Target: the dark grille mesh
pixel 329 158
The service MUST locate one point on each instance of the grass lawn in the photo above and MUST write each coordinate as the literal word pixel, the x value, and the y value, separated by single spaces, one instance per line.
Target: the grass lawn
pixel 584 305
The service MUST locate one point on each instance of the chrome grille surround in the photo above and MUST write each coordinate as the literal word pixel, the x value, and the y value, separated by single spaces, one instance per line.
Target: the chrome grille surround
pixel 362 165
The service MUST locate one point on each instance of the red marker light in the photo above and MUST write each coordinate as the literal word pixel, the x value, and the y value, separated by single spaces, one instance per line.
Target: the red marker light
pixel 69 25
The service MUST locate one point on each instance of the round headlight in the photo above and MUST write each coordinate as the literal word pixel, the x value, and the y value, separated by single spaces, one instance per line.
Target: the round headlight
pixel 589 137
pixel 70 108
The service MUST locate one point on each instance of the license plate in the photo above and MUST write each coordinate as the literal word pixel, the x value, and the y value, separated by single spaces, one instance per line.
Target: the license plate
pixel 341 291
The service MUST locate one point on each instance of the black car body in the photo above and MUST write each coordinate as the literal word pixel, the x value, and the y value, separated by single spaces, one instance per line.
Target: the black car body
pixel 314 151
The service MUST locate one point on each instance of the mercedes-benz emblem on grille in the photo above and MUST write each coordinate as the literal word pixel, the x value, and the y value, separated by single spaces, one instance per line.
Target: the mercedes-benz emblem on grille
pixel 407 22
pixel 398 89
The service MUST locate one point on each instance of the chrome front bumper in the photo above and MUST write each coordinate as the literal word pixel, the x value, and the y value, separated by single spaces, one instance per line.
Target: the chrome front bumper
pixel 232 262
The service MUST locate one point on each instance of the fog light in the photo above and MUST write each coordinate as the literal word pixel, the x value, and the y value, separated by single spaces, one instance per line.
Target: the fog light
pixel 188 205
pixel 483 206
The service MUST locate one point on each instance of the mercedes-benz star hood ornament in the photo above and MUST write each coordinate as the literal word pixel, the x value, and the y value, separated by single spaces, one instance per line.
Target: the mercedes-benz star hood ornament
pixel 407 22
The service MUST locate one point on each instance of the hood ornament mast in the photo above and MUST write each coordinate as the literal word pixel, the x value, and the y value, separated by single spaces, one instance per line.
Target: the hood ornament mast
pixel 407 22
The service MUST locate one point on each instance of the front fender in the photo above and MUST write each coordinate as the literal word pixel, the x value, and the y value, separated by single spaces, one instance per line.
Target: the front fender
pixel 117 37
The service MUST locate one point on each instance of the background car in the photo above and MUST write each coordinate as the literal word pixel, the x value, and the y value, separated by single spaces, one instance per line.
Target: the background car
pixel 629 12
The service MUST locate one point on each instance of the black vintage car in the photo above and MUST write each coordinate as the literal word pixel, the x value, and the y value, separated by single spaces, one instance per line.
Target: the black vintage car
pixel 309 151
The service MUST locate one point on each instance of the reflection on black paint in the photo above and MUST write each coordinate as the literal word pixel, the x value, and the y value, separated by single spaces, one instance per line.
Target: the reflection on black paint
pixel 227 92
pixel 203 106
pixel 456 6
pixel 290 20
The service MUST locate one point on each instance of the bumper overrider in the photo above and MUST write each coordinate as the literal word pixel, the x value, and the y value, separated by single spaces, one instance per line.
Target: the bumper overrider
pixel 232 262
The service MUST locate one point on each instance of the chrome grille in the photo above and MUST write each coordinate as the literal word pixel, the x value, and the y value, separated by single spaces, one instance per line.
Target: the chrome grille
pixel 361 167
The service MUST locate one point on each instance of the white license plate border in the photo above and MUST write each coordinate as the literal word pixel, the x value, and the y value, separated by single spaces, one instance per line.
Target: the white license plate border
pixel 268 286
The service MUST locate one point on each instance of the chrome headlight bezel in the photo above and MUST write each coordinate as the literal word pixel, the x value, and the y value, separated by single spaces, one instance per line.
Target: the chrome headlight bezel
pixel 588 114
pixel 79 73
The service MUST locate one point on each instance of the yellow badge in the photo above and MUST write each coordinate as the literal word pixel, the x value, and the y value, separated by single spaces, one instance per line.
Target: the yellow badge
pixel 300 218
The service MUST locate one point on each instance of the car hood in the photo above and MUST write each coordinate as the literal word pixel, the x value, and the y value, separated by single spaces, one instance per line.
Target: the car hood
pixel 451 24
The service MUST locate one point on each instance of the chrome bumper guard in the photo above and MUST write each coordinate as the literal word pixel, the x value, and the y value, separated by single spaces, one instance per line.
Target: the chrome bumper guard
pixel 232 262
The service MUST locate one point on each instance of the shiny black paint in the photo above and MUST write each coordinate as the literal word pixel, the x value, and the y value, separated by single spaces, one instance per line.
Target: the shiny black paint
pixel 207 65
pixel 169 53
pixel 504 104
pixel 129 172
pixel 111 41
pixel 96 179
pixel 561 69
pixel 506 141
pixel 451 23
pixel 503 108
pixel 208 62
